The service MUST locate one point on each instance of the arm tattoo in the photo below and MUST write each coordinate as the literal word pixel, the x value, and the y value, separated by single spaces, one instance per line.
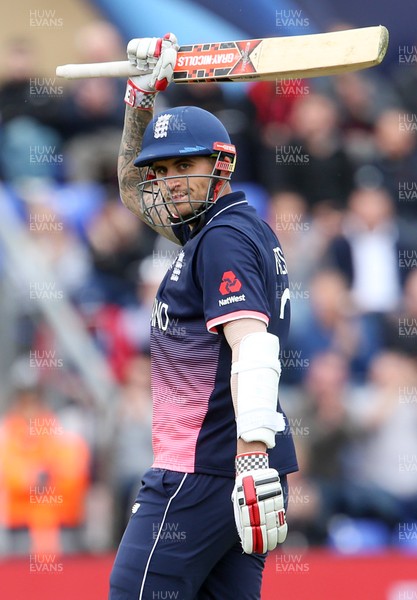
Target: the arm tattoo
pixel 129 176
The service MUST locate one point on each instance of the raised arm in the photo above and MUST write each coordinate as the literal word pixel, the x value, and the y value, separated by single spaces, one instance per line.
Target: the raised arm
pixel 129 176
pixel 155 57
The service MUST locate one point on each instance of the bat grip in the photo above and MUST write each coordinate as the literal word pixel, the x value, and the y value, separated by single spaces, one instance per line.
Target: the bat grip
pixel 121 68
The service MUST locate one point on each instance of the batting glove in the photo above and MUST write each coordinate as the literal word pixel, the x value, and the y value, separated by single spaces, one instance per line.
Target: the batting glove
pixel 157 58
pixel 258 504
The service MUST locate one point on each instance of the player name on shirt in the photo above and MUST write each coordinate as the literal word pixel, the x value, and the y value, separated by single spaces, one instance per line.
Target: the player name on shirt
pixel 159 315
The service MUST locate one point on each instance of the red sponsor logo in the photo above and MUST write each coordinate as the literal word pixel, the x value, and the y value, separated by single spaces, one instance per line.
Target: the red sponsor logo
pixel 206 61
pixel 225 147
pixel 245 64
pixel 229 284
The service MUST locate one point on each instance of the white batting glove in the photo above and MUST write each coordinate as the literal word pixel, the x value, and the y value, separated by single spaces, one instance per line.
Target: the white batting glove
pixel 156 57
pixel 258 504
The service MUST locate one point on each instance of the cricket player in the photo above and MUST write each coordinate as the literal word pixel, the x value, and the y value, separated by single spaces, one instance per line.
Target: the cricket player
pixel 213 503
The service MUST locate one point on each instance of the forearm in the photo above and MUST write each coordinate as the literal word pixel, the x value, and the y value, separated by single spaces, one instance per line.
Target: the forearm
pixel 155 59
pixel 136 121
pixel 130 176
pixel 258 499
pixel 249 447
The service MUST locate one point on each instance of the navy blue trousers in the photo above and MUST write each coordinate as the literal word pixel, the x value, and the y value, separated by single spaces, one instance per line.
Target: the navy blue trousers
pixel 182 543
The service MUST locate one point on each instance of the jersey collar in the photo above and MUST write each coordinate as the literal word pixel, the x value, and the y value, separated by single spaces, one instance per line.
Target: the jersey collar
pixel 222 204
pixel 183 232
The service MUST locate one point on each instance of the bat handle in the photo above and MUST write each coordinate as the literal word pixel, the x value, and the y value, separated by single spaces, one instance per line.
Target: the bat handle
pixel 122 68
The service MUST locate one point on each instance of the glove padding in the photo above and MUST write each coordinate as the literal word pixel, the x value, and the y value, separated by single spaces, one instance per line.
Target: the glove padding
pixel 258 504
pixel 157 55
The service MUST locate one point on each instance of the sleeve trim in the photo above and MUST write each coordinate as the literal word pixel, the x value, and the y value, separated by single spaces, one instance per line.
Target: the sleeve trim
pixel 234 316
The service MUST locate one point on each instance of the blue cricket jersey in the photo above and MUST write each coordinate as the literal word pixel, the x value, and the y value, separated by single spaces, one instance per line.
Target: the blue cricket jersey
pixel 231 268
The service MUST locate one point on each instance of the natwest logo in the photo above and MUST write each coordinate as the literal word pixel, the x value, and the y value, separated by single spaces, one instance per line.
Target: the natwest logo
pixel 229 284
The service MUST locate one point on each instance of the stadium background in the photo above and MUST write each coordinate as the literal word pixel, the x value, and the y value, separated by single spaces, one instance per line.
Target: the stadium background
pixel 322 162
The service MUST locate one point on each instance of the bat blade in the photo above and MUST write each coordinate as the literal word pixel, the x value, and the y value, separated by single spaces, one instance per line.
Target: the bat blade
pixel 293 57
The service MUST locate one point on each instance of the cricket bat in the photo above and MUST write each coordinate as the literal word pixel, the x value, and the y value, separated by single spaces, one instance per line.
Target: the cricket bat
pixel 292 57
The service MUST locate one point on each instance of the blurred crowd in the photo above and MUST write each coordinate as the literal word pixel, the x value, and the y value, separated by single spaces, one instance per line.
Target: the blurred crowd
pixel 331 165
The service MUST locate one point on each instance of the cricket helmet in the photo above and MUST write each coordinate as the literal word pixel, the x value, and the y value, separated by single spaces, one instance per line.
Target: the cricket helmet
pixel 183 131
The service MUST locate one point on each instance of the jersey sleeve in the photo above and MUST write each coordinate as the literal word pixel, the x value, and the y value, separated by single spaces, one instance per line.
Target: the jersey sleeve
pixel 230 271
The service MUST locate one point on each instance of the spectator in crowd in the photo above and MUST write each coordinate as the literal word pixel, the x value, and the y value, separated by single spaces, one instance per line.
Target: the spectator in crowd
pixel 323 429
pixel 44 472
pixel 361 96
pixel 64 256
pixel 305 502
pixel 136 318
pixel 27 115
pixel 132 451
pixel 394 163
pixel 116 246
pixel 314 161
pixel 271 104
pixel 209 96
pixel 91 117
pixel 369 249
pixel 305 237
pixel 334 324
pixel 399 328
pixel 382 460
pixel 404 78
pixel 22 90
pixel 288 217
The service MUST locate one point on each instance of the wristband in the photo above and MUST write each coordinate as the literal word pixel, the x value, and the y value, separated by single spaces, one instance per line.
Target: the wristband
pixel 137 98
pixel 251 462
